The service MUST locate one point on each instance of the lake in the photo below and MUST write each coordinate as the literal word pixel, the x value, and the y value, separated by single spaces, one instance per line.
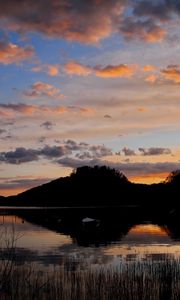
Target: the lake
pixel 41 238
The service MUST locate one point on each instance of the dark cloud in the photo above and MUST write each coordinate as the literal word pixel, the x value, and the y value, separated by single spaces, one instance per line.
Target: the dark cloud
pixel 2 131
pixel 154 151
pixel 160 9
pixel 100 151
pixel 20 155
pixel 19 107
pixel 73 146
pixel 128 152
pixel 94 152
pixel 88 21
pixel 107 117
pixel 84 21
pixel 66 148
pixel 7 137
pixel 47 125
pixel 157 9
pixel 129 169
pixel 54 151
pixel 84 155
pixel 146 30
pixel 42 139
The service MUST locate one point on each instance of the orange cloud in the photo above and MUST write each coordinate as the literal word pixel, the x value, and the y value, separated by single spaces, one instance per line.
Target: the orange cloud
pixel 39 89
pixel 122 70
pixel 6 110
pixel 87 110
pixel 19 108
pixel 172 73
pixel 74 68
pixel 156 35
pixel 110 71
pixel 51 70
pixel 12 53
pixel 151 78
pixel 61 110
pixel 149 68
pixel 142 109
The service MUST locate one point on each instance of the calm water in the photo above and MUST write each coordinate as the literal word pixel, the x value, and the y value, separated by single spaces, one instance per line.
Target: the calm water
pixel 48 242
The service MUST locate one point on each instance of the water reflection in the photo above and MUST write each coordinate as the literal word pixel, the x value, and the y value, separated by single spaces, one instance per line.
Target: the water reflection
pixel 102 239
pixel 147 234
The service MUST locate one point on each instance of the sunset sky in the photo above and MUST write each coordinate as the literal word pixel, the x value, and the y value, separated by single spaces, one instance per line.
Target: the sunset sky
pixel 88 83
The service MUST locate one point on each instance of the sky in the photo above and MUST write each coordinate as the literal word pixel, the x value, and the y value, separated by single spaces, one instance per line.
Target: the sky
pixel 93 82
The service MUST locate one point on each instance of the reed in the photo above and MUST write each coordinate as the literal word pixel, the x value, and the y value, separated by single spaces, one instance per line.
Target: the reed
pixel 128 280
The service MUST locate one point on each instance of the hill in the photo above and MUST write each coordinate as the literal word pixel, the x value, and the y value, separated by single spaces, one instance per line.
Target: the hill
pixel 99 186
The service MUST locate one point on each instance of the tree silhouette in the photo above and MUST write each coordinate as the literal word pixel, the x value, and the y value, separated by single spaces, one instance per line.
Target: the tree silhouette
pixel 173 178
pixel 99 172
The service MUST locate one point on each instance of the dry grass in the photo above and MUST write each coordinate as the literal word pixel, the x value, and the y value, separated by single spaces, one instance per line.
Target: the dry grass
pixel 132 280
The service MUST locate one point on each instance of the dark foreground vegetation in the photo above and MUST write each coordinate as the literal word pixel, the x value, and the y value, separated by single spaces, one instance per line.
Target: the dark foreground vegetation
pixel 129 280
pixel 100 186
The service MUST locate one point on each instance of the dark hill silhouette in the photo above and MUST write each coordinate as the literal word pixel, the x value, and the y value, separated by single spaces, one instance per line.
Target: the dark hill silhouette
pixel 101 186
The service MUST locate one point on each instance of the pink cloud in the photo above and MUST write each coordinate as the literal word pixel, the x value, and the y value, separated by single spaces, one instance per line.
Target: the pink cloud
pixel 75 68
pixel 12 53
pixel 41 89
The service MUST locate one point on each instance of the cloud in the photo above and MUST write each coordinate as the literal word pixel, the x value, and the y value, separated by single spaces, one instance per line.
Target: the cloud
pixel 90 21
pixel 129 169
pixel 100 151
pixel 162 10
pixel 154 151
pixel 20 155
pixel 69 147
pixel 109 71
pixel 52 70
pixel 87 110
pixel 28 109
pixel 145 30
pixel 84 21
pixel 149 68
pixel 42 89
pixel 151 78
pixel 128 152
pixel 107 117
pixel 54 151
pixel 2 131
pixel 12 53
pixel 75 68
pixel 20 108
pixel 172 73
pixel 47 125
pixel 142 109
